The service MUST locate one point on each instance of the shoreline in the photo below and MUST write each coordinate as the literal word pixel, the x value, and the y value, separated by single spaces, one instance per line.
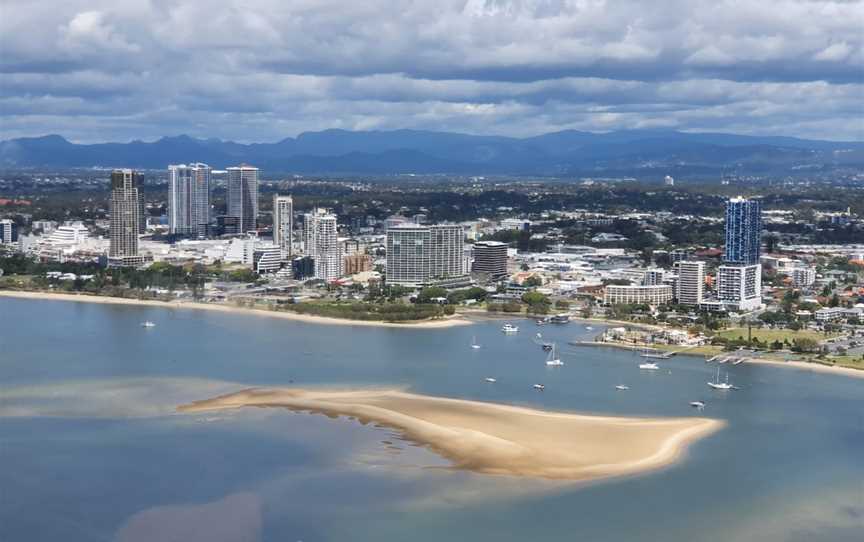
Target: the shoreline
pixel 493 438
pixel 285 315
pixel 789 364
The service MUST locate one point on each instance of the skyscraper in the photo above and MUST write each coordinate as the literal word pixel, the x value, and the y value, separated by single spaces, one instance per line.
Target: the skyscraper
pixel 8 232
pixel 125 211
pixel 322 244
pixel 283 224
pixel 691 282
pixel 490 258
pixel 420 255
pixel 189 199
pixel 243 196
pixel 743 231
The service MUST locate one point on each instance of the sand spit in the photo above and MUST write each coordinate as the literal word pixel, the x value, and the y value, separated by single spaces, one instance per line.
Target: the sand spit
pixel 309 319
pixel 495 438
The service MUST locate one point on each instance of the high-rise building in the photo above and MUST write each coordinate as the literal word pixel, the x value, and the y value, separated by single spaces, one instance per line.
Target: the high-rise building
pixel 356 263
pixel 690 286
pixel 125 208
pixel 490 258
pixel 243 196
pixel 283 224
pixel 739 287
pixel 322 244
pixel 743 231
pixel 189 199
pixel 8 232
pixel 420 255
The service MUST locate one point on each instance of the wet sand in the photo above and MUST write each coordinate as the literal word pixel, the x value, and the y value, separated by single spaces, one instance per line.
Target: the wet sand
pixel 496 438
pixel 446 322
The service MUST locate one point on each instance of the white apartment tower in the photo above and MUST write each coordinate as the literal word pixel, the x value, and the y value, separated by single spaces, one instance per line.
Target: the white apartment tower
pixel 691 282
pixel 125 215
pixel 189 199
pixel 739 287
pixel 322 244
pixel 283 224
pixel 243 196
pixel 418 255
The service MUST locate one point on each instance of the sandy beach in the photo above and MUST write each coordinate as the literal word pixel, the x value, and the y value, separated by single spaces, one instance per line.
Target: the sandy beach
pixel 310 319
pixel 495 438
pixel 807 366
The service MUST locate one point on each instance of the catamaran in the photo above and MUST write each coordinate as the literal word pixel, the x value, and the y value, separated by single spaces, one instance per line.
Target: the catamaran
pixel 717 385
pixel 553 360
pixel 509 328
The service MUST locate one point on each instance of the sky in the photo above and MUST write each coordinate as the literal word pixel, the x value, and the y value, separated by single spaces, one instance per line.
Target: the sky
pixel 263 70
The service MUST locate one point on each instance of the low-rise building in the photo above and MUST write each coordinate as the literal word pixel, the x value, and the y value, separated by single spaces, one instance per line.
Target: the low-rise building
pixel 657 294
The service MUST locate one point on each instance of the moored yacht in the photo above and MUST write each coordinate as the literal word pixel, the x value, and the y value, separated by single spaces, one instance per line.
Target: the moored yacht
pixel 622 387
pixel 649 366
pixel 148 323
pixel 539 387
pixel 509 328
pixel 553 360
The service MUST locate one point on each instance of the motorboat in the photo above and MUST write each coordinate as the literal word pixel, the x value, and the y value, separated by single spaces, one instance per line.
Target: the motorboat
pixel 697 404
pixel 509 328
pixel 148 323
pixel 562 318
pixel 589 328
pixel 650 366
pixel 539 387
pixel 622 387
pixel 490 380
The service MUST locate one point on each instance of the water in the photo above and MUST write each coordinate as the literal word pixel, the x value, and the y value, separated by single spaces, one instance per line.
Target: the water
pixel 95 451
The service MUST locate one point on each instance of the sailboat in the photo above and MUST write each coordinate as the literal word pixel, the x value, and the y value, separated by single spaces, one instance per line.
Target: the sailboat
pixel 717 385
pixel 474 344
pixel 553 360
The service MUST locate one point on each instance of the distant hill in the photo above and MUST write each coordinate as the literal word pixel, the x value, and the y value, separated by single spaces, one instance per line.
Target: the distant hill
pixel 566 153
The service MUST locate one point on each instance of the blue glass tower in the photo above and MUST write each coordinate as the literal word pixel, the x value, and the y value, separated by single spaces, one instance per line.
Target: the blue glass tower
pixel 743 231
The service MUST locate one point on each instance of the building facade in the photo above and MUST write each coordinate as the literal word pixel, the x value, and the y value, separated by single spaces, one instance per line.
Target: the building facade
pixel 419 255
pixel 8 232
pixel 356 263
pixel 322 243
pixel 690 287
pixel 125 208
pixel 266 259
pixel 189 199
pixel 743 231
pixel 243 196
pixel 658 294
pixel 283 224
pixel 739 287
pixel 490 258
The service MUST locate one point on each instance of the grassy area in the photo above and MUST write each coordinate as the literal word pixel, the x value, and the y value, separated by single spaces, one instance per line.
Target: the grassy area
pixel 771 335
pixel 855 362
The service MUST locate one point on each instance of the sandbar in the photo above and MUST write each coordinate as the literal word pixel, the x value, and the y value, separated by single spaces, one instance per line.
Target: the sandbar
pixel 495 438
pixel 447 321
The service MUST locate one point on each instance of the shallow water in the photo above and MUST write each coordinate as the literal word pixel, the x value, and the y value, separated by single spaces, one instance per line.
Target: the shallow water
pixel 90 448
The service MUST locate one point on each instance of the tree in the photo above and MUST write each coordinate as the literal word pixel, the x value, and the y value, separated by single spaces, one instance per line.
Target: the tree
pixel 426 295
pixel 533 282
pixel 804 344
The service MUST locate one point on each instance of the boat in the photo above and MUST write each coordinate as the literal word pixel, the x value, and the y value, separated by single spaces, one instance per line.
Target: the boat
pixel 738 361
pixel 622 387
pixel 554 360
pixel 649 366
pixel 697 404
pixel 539 387
pixel 490 379
pixel 722 360
pixel 546 347
pixel 717 385
pixel 148 323
pixel 562 318
pixel 713 358
pixel 474 344
pixel 589 328
pixel 509 328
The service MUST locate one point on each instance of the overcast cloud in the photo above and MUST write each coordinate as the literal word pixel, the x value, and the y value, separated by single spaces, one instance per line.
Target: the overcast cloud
pixel 261 70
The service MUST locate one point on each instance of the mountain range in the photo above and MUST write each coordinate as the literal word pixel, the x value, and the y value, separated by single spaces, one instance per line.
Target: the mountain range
pixel 641 153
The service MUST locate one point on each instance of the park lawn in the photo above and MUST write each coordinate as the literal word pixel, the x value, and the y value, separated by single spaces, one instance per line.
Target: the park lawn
pixel 706 350
pixel 855 362
pixel 771 335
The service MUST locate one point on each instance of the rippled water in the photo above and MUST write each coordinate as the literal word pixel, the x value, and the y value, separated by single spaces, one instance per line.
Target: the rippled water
pixel 91 449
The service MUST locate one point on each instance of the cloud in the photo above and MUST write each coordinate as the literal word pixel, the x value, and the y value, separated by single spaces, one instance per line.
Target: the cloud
pixel 263 70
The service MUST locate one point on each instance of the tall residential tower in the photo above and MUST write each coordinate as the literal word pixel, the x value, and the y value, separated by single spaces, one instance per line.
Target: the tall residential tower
pixel 322 244
pixel 243 196
pixel 422 255
pixel 743 231
pixel 283 224
pixel 126 217
pixel 189 199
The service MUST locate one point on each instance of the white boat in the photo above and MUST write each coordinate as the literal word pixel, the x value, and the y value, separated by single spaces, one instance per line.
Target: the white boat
pixel 148 323
pixel 553 360
pixel 490 379
pixel 509 328
pixel 589 328
pixel 738 361
pixel 622 387
pixel 649 366
pixel 697 404
pixel 717 385
pixel 474 344
pixel 540 387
